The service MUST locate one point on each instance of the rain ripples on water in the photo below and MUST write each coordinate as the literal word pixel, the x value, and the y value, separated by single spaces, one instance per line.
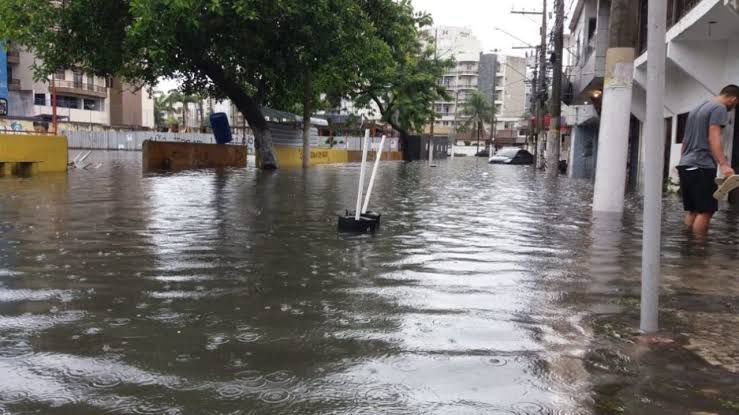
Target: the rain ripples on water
pixel 229 292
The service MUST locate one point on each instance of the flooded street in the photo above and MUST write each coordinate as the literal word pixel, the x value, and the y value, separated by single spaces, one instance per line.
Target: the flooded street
pixel 488 290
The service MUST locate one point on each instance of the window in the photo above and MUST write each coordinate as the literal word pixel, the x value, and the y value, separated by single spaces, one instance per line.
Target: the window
pixel 508 125
pixel 92 104
pixel 77 77
pixel 682 122
pixel 592 24
pixel 67 102
pixel 59 75
pixel 522 133
pixel 90 82
pixel 39 99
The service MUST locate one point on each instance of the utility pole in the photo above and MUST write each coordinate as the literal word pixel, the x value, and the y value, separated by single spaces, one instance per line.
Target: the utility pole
pixel 613 141
pixel 541 134
pixel 534 105
pixel 654 164
pixel 54 121
pixel 554 139
pixel 540 86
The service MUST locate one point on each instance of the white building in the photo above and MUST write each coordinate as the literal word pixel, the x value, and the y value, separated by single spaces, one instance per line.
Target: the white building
pixel 462 45
pixel 702 58
pixel 510 101
pixel 82 98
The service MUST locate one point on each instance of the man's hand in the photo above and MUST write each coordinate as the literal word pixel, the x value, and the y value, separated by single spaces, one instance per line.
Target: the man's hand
pixel 726 170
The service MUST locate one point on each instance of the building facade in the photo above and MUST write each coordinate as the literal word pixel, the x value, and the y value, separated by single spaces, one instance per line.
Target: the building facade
pixel 82 98
pixel 702 58
pixel 510 101
pixel 462 45
pixel 586 65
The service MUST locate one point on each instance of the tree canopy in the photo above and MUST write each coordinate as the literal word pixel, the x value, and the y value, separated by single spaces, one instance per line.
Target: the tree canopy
pixel 255 52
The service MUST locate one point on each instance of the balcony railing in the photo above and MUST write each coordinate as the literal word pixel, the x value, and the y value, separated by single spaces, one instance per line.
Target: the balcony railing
pixel 84 88
pixel 676 10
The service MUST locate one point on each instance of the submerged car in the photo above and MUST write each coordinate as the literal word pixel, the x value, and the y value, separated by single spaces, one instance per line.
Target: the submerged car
pixel 512 155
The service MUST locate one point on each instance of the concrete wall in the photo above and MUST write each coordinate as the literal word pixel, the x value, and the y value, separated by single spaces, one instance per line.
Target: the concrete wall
pixel 48 154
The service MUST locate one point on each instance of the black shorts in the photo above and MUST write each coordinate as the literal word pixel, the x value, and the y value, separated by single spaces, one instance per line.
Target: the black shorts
pixel 698 187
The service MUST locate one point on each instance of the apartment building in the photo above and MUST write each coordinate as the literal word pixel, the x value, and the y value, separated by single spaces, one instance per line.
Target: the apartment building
pixel 586 66
pixel 462 45
pixel 510 101
pixel 702 57
pixel 82 98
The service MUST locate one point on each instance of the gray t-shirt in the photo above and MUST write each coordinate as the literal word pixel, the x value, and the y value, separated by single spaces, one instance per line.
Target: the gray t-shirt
pixel 696 150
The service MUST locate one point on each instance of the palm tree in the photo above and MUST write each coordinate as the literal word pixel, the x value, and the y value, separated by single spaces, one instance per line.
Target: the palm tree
pixel 185 99
pixel 163 109
pixel 478 110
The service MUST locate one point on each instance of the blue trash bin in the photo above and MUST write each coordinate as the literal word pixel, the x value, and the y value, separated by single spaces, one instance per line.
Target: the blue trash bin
pixel 221 129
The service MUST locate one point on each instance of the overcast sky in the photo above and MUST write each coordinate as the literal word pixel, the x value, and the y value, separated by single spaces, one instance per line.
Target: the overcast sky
pixel 483 16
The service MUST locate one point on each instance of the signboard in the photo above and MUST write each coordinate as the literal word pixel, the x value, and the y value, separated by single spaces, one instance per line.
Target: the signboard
pixel 3 79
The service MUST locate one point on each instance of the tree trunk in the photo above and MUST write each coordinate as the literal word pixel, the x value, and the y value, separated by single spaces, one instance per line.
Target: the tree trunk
pixel 478 138
pixel 307 95
pixel 249 107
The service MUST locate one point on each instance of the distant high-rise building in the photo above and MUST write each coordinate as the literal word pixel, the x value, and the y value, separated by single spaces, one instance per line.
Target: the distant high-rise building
pixel 462 45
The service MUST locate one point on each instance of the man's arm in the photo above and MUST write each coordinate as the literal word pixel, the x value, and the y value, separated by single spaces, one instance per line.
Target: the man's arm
pixel 717 149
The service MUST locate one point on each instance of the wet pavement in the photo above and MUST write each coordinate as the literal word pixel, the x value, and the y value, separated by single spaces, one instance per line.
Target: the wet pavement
pixel 488 290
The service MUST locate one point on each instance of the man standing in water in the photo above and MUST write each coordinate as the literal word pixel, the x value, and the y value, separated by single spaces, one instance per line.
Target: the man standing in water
pixel 702 151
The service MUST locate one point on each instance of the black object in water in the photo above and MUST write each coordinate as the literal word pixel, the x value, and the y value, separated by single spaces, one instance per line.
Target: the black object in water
pixel 368 222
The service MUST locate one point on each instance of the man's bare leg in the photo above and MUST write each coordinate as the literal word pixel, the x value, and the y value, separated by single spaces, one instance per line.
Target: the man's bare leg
pixel 700 225
pixel 690 219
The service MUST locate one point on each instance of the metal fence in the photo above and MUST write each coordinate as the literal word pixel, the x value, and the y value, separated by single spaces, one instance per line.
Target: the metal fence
pixel 128 140
pixel 132 140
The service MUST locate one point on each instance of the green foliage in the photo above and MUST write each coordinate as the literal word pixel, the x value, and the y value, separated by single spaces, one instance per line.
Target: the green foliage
pixel 280 53
pixel 163 110
pixel 478 110
pixel 401 74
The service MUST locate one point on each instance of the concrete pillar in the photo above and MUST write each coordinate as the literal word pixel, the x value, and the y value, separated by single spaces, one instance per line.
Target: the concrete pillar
pixel 610 174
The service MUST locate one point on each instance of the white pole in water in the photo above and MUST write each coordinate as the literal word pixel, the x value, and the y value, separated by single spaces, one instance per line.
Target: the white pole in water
pixel 654 164
pixel 378 155
pixel 431 150
pixel 357 212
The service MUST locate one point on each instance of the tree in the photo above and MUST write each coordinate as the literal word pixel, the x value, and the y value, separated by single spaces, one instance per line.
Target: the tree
pixel 163 109
pixel 330 41
pixel 175 96
pixel 402 75
pixel 478 110
pixel 235 49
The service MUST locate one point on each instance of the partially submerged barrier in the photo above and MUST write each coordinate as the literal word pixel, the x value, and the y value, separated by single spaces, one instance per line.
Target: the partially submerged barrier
pixel 26 154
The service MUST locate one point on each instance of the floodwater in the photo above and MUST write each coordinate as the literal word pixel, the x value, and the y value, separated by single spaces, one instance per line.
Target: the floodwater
pixel 230 292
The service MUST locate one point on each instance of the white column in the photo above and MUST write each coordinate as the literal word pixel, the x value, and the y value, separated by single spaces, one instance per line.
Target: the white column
pixel 653 167
pixel 613 140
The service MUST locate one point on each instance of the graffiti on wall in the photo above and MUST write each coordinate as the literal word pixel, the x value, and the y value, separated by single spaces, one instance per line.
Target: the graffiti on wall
pixel 12 126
